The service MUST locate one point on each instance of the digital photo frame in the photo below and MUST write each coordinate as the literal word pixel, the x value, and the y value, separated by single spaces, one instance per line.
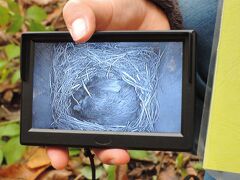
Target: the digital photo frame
pixel 128 89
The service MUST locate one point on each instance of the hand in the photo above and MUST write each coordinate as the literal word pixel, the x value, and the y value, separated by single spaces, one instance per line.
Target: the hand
pixel 83 18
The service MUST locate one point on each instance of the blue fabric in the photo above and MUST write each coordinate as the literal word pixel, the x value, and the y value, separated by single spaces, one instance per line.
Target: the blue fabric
pixel 208 177
pixel 200 15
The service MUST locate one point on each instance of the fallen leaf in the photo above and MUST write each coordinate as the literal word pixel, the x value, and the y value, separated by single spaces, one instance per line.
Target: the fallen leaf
pixel 12 51
pixel 86 172
pixel 43 2
pixel 13 150
pixel 20 171
pixel 8 95
pixel 55 175
pixel 10 129
pixel 191 171
pixel 3 4
pixel 179 160
pixel 16 77
pixel 136 172
pixel 8 116
pixel 140 155
pixel 1 157
pixel 147 169
pixel 74 163
pixel 111 169
pixel 36 13
pixel 54 15
pixel 4 13
pixel 73 151
pixel 169 173
pixel 38 159
pixel 198 166
pixel 121 172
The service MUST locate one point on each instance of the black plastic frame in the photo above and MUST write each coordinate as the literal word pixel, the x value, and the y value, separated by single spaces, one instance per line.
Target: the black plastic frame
pixel 150 141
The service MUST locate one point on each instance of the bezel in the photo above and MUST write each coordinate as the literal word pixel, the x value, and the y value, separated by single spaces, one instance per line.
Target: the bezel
pixel 149 141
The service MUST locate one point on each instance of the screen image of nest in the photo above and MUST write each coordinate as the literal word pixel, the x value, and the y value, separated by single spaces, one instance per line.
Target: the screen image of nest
pixel 108 86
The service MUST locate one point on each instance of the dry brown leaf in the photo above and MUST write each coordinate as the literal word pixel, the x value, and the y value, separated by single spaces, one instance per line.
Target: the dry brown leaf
pixel 54 15
pixel 39 2
pixel 44 2
pixel 6 86
pixel 74 163
pixel 20 171
pixel 121 172
pixel 36 162
pixel 136 172
pixel 38 159
pixel 55 175
pixel 7 115
pixel 191 171
pixel 8 95
pixel 148 170
pixel 169 173
pixel 3 3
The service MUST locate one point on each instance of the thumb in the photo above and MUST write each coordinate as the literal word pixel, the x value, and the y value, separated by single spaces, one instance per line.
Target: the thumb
pixel 81 16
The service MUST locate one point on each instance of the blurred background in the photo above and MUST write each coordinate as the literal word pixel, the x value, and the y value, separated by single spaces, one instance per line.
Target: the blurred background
pixel 17 161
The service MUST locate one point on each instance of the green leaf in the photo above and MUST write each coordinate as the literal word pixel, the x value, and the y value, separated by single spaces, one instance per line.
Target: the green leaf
pixel 3 63
pixel 15 77
pixel 2 143
pixel 4 16
pixel 184 173
pixel 74 151
pixel 36 13
pixel 4 75
pixel 16 23
pixel 198 166
pixel 12 51
pixel 10 130
pixel 179 160
pixel 86 171
pixel 49 28
pixel 1 157
pixel 110 171
pixel 13 6
pixel 4 123
pixel 36 26
pixel 13 150
pixel 139 154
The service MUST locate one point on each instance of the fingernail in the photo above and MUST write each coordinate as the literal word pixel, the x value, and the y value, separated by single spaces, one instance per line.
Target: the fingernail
pixel 79 29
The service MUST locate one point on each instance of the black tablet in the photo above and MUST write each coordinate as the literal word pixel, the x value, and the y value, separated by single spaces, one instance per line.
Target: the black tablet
pixel 126 89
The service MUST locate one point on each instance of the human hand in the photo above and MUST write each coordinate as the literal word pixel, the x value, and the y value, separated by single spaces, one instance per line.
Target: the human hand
pixel 83 18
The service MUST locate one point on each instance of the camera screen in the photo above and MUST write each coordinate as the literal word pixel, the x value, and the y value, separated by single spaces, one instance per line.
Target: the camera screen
pixel 108 86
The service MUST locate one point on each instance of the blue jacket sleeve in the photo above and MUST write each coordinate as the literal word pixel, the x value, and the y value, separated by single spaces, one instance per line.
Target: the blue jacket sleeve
pixel 172 10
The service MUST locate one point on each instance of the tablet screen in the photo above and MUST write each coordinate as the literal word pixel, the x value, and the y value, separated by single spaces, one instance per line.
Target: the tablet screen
pixel 108 86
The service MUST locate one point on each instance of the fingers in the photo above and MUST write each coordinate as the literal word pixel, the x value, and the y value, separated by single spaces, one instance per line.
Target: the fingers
pixel 112 156
pixel 58 157
pixel 84 17
pixel 81 16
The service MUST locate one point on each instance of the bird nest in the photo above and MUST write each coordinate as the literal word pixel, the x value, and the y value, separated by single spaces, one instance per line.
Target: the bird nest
pixel 106 86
